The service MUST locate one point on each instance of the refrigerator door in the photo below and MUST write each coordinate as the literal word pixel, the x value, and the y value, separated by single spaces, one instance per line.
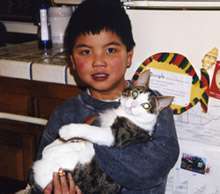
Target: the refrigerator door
pixel 174 4
pixel 193 34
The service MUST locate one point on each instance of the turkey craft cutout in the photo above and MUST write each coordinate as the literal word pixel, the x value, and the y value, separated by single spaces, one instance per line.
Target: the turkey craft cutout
pixel 179 65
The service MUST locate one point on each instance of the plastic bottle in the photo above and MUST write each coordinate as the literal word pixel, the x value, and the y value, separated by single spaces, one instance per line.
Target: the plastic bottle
pixel 45 42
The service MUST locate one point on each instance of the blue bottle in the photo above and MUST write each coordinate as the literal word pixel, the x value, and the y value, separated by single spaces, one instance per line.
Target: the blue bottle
pixel 45 42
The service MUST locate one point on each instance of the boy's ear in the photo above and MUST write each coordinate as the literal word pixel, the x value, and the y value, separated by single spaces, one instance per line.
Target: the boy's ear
pixel 130 56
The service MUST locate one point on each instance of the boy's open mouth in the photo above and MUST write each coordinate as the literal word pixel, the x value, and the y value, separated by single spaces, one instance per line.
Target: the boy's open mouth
pixel 100 76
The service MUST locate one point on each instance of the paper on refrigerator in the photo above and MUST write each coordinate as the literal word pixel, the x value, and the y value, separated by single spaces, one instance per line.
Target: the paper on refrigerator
pixel 201 175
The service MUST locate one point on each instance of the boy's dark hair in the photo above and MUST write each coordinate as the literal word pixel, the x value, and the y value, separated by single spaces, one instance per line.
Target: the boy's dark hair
pixel 93 16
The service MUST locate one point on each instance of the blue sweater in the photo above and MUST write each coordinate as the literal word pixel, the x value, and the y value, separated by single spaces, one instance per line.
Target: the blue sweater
pixel 140 168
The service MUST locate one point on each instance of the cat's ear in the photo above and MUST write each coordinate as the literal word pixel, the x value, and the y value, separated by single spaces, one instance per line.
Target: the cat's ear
pixel 163 102
pixel 143 79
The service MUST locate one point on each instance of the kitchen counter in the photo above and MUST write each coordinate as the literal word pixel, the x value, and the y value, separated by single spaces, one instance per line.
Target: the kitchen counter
pixel 26 61
pixel 32 86
pixel 32 83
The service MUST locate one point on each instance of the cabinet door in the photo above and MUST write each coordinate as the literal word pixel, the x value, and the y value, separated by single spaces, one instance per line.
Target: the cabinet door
pixel 33 98
pixel 18 142
pixel 15 103
pixel 47 96
pixel 15 96
pixel 11 163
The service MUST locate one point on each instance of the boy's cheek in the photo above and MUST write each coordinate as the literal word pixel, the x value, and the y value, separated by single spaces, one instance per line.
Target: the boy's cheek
pixel 81 68
pixel 119 64
pixel 80 64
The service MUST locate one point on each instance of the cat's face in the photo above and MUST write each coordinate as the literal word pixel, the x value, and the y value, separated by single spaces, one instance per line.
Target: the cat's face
pixel 137 101
pixel 139 104
pixel 139 107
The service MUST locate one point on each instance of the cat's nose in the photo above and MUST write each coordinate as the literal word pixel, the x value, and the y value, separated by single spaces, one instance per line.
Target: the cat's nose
pixel 128 103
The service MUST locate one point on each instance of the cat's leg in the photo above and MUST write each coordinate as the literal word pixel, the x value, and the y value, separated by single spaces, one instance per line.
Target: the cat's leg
pixel 92 179
pixel 98 135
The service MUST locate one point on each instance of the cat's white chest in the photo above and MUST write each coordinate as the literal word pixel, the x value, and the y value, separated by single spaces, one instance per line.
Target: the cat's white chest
pixel 108 117
pixel 141 118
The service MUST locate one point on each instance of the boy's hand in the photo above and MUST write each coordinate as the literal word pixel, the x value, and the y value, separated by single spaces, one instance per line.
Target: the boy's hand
pixel 62 184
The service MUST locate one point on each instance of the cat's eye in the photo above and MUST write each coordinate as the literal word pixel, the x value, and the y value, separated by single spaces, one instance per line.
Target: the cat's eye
pixel 134 94
pixel 146 106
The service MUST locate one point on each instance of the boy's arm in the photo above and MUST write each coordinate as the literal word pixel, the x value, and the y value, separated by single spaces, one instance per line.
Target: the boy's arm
pixel 145 165
pixel 50 133
pixel 48 136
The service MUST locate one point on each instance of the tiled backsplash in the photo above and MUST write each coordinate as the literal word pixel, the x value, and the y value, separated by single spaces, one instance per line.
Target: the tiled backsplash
pixel 26 61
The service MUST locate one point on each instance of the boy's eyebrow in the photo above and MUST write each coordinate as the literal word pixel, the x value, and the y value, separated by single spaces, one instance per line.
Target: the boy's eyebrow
pixel 107 44
pixel 113 43
pixel 81 45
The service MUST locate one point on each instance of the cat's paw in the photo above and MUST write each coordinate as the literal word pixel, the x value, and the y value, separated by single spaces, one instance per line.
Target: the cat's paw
pixel 66 131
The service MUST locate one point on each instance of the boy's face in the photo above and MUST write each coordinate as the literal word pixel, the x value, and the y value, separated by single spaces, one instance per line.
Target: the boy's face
pixel 101 61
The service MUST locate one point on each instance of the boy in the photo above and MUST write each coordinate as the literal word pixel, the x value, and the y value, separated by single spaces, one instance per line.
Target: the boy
pixel 100 44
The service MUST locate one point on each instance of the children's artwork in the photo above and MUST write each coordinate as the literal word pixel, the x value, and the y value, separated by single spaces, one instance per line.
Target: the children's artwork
pixel 210 58
pixel 214 90
pixel 197 170
pixel 193 163
pixel 174 75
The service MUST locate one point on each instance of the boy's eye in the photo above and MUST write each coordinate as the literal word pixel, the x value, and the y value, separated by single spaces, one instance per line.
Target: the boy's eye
pixel 85 52
pixel 111 50
pixel 146 106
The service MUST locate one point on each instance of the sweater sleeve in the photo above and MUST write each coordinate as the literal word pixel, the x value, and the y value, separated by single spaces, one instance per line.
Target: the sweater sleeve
pixel 50 133
pixel 145 165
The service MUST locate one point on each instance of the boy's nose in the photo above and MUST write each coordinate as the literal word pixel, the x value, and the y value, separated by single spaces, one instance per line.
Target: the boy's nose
pixel 99 60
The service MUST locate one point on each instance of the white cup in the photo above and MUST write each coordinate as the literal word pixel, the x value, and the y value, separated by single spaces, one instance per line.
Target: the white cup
pixel 58 19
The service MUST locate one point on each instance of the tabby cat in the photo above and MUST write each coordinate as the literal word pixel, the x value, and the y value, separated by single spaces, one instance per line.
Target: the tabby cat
pixel 132 122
